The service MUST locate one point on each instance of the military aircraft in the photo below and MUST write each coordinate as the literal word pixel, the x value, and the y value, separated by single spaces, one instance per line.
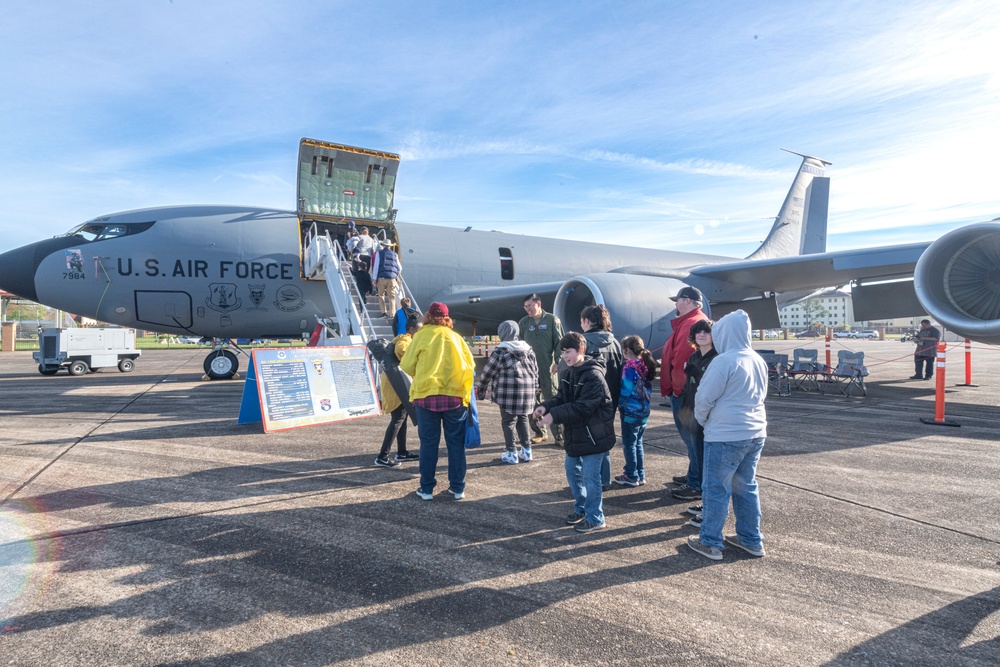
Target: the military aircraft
pixel 230 272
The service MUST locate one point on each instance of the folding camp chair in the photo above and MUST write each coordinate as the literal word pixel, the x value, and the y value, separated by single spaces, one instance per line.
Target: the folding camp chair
pixel 806 370
pixel 777 377
pixel 849 373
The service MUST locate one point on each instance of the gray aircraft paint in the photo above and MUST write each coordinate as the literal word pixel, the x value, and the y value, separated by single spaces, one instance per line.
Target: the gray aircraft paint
pixel 235 272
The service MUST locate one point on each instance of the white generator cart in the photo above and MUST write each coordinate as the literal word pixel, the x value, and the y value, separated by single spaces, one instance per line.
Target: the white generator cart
pixel 84 350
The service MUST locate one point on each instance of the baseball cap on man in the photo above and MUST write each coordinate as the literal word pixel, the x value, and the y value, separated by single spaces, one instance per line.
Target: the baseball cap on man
pixel 438 309
pixel 688 292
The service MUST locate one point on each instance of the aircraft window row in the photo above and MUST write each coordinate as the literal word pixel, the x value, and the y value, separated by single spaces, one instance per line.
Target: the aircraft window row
pixel 506 264
pixel 104 230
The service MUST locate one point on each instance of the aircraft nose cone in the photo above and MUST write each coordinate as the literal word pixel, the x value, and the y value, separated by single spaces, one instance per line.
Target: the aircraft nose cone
pixel 17 272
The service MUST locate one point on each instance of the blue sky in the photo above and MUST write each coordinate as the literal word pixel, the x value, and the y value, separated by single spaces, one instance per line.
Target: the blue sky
pixel 639 123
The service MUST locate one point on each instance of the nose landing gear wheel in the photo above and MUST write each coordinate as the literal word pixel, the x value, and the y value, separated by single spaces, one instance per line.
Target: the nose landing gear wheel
pixel 221 365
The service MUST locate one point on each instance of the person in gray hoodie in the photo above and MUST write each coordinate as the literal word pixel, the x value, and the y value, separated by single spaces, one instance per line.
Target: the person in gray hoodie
pixel 730 406
pixel 511 374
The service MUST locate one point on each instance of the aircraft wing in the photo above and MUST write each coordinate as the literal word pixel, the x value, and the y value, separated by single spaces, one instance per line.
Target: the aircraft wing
pixel 815 271
pixel 489 306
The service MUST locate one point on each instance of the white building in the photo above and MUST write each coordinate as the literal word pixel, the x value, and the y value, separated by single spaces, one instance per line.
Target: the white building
pixel 830 309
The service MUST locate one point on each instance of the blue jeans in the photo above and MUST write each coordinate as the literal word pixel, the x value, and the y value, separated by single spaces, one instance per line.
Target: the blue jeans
pixel 730 469
pixel 584 476
pixel 694 449
pixel 429 426
pixel 635 459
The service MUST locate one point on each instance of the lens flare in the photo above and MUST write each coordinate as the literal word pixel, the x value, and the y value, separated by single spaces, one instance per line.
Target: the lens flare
pixel 25 551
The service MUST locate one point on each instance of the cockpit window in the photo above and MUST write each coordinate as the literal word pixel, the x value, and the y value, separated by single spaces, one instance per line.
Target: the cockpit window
pixel 99 231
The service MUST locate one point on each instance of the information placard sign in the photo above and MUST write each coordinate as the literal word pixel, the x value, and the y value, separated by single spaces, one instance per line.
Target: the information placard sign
pixel 314 385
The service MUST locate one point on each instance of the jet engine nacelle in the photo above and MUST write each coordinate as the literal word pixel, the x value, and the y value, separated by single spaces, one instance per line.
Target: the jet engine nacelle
pixel 639 305
pixel 957 280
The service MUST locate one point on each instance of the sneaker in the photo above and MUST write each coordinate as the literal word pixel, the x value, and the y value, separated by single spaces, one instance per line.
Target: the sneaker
pixel 695 520
pixel 385 462
pixel 575 518
pixel 509 457
pixel 681 479
pixel 695 509
pixel 585 526
pixel 642 481
pixel 916 377
pixel 458 494
pixel 558 442
pixel 525 453
pixel 625 481
pixel 734 540
pixel 686 493
pixel 424 496
pixel 538 438
pixel 695 544
pixel 407 456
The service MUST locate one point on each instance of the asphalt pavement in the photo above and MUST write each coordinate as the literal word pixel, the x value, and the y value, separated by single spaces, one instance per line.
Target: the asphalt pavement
pixel 141 525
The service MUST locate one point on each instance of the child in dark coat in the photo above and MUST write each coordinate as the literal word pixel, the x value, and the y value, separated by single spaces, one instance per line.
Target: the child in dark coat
pixel 511 374
pixel 583 405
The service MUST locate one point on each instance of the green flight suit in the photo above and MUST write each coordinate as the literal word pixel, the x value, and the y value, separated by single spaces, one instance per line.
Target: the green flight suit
pixel 543 336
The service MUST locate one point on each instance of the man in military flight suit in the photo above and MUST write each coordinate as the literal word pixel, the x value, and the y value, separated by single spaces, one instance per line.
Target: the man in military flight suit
pixel 542 331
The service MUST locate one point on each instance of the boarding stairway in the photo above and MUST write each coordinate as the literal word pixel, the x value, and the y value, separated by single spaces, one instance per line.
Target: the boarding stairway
pixel 351 322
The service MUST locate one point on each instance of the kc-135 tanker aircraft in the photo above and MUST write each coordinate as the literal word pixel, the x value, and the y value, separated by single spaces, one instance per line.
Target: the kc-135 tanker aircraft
pixel 230 272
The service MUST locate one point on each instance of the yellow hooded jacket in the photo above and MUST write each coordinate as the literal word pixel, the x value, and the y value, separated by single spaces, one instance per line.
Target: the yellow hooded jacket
pixel 440 363
pixel 389 399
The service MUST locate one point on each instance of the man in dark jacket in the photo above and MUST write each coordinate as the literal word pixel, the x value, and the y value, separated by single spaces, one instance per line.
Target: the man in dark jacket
pixel 583 406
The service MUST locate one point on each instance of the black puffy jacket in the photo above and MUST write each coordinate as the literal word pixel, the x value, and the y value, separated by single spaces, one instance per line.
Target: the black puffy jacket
pixel 583 407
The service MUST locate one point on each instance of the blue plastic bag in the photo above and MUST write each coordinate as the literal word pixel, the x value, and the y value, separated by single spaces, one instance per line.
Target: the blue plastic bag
pixel 473 438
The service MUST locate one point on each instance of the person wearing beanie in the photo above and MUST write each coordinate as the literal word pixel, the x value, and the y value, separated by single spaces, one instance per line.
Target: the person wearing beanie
pixel 511 378
pixel 442 368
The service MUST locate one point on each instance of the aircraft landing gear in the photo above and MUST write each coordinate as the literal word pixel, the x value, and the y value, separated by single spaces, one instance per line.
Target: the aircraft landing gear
pixel 221 364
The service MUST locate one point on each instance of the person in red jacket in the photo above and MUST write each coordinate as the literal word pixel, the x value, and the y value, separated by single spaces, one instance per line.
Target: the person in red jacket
pixel 676 351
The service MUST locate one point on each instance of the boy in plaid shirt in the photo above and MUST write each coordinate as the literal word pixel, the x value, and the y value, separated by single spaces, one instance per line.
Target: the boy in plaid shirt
pixel 511 374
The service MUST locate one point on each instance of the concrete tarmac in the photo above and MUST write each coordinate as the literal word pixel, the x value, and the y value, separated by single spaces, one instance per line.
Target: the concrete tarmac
pixel 140 525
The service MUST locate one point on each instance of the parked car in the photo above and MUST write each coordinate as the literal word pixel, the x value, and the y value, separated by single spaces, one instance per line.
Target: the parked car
pixel 192 340
pixel 811 333
pixel 869 334
pixel 842 334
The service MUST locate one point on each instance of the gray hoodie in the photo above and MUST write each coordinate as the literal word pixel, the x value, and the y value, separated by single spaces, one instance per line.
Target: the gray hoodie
pixel 730 398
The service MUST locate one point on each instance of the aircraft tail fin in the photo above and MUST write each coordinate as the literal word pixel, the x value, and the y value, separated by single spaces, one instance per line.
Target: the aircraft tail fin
pixel 800 228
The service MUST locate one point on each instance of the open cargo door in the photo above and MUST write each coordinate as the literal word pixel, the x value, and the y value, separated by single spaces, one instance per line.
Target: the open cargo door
pixel 338 183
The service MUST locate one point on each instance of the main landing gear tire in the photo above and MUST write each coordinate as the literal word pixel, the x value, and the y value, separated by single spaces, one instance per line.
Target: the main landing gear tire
pixel 221 365
pixel 126 365
pixel 48 370
pixel 78 368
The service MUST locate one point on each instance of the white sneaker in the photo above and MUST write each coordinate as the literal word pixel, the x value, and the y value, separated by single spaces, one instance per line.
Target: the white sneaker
pixel 525 454
pixel 509 457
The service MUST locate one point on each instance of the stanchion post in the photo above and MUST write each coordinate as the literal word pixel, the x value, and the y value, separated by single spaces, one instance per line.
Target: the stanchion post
pixel 939 419
pixel 968 365
pixel 828 365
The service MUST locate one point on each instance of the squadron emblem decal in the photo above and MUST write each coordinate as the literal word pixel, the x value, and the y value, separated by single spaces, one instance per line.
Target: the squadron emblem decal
pixel 289 298
pixel 256 296
pixel 223 297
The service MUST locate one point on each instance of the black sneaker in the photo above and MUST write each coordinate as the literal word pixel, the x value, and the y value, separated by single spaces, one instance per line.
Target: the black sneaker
pixel 695 509
pixel 680 479
pixel 686 493
pixel 407 456
pixel 916 377
pixel 385 462
pixel 585 526
pixel 695 520
pixel 574 519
